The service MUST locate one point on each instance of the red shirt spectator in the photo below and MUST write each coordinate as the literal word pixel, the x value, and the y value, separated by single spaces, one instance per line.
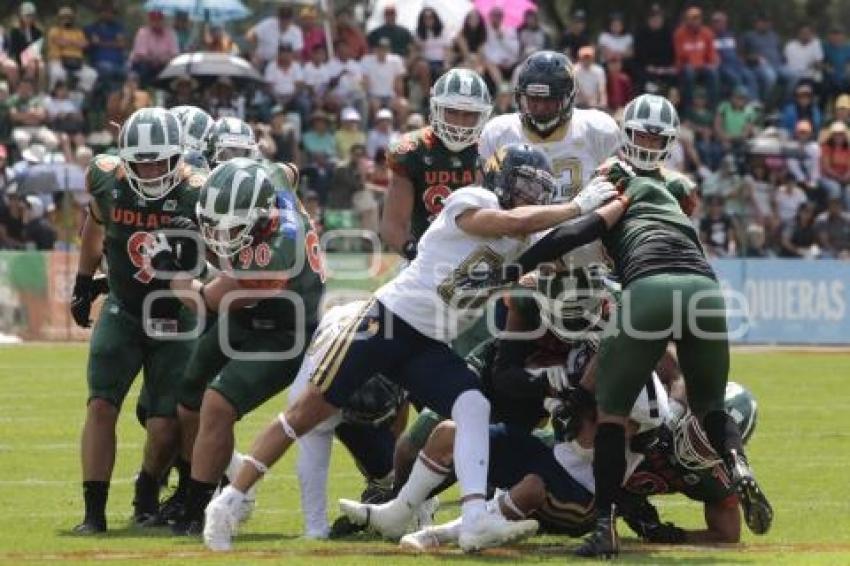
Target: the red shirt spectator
pixel 314 35
pixel 618 83
pixel 693 42
pixel 835 153
pixel 348 32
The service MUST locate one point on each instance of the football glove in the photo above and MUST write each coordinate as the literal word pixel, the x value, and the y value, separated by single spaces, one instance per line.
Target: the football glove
pixel 172 251
pixel 81 300
pixel 595 194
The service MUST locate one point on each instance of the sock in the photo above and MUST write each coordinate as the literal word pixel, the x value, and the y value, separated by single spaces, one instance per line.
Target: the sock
pixel 146 496
pixel 424 477
pixel 609 465
pixel 95 494
pixel 198 497
pixel 723 433
pixel 471 414
pixel 184 472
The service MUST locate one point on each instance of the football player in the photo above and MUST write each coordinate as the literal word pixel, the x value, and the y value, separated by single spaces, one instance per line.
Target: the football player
pixel 403 333
pixel 666 278
pixel 197 128
pixel 135 194
pixel 266 297
pixel 231 138
pixel 427 164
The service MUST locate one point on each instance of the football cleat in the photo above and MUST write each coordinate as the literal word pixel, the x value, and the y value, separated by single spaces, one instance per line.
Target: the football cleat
pixel 187 528
pixel 249 501
pixel 222 520
pixel 758 514
pixel 390 520
pixel 431 537
pixel 491 529
pixel 173 508
pixel 89 527
pixel 603 542
pixel 424 516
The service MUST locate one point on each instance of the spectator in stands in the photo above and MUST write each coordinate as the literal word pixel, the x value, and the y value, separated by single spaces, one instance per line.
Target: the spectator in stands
pixel 700 117
pixel 804 57
pixel 432 41
pixel 504 101
pixel 717 230
pixel 763 54
pixel 798 233
pixel 618 84
pixel 732 68
pixel 384 72
pixel 591 90
pixel 696 58
pixel 285 78
pixel 833 230
pixel 841 109
pixel 63 114
pixel 835 162
pixel 575 37
pixel 756 244
pixel 21 37
pixel 501 50
pixel 758 190
pixel 802 107
pixel 223 100
pixel 312 33
pixel 28 117
pixel 616 41
pixel 725 181
pixel 65 46
pixel 182 92
pixel 6 173
pixel 11 221
pixel 382 134
pixel 319 138
pixel 836 54
pixel 122 103
pixel 317 73
pixel 654 58
pixel 418 84
pixel 153 47
pixel 107 45
pixel 183 30
pixel 348 86
pixel 532 36
pixel 734 122
pixel 349 178
pixel 399 36
pixel 317 173
pixel 350 132
pixel 367 201
pixel 8 66
pixel 471 38
pixel 805 164
pixel 272 32
pixel 284 132
pixel 787 199
pixel 37 232
pixel 216 40
pixel 346 31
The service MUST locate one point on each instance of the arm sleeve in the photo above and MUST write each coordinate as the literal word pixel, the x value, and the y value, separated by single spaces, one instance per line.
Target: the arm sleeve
pixel 561 240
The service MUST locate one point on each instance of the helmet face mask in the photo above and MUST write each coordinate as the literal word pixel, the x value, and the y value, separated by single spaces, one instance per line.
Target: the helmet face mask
pixel 465 92
pixel 572 302
pixel 649 132
pixel 546 91
pixel 151 135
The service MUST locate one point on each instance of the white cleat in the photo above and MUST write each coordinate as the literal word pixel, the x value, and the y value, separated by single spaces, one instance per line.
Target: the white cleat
pixel 491 529
pixel 424 516
pixel 431 537
pixel 391 520
pixel 221 520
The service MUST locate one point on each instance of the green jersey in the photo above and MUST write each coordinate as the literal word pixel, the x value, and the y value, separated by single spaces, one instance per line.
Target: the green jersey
pixel 288 260
pixel 655 234
pixel 129 222
pixel 434 171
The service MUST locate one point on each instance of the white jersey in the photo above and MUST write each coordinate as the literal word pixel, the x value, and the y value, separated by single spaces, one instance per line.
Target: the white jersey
pixel 424 293
pixel 575 150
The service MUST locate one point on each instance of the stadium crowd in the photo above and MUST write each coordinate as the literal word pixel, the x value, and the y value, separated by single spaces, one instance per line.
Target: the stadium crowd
pixel 764 131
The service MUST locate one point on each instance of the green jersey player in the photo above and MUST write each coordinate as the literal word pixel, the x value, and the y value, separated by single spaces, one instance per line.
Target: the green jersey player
pixel 428 164
pixel 266 298
pixel 133 195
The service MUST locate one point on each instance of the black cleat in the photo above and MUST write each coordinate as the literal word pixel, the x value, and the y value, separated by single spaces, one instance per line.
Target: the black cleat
pixel 186 528
pixel 89 527
pixel 603 541
pixel 172 508
pixel 147 519
pixel 343 527
pixel 758 514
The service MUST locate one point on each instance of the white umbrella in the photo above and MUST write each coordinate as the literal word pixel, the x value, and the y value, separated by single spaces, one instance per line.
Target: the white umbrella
pixel 451 12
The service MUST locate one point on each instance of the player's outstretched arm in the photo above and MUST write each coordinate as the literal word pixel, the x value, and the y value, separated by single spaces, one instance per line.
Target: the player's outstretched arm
pixel 398 209
pixel 516 222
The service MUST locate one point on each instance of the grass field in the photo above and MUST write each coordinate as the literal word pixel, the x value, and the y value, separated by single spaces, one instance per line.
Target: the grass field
pixel 801 451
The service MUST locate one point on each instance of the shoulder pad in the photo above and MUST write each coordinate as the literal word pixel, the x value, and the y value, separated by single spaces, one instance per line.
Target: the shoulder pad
pixel 406 144
pixel 106 163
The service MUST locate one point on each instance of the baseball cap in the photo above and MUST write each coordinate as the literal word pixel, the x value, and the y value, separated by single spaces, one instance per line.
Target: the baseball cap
pixel 843 101
pixel 384 114
pixel 27 9
pixel 349 115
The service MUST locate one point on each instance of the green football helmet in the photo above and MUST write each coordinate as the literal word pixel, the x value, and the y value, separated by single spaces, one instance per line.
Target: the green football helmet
pixel 459 89
pixel 235 206
pixel 197 127
pixel 654 115
pixel 742 407
pixel 151 135
pixel 231 138
pixel 571 302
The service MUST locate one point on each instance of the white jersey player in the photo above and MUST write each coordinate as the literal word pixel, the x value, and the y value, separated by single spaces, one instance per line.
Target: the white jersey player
pixel 403 334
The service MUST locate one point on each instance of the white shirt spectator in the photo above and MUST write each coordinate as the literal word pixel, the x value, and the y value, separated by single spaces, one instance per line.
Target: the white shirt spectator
pixel 270 37
pixel 350 76
pixel 381 76
pixel 590 83
pixel 802 59
pixel 56 106
pixel 501 47
pixel 620 44
pixel 806 169
pixel 434 47
pixel 281 80
pixel 788 200
pixel 377 139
